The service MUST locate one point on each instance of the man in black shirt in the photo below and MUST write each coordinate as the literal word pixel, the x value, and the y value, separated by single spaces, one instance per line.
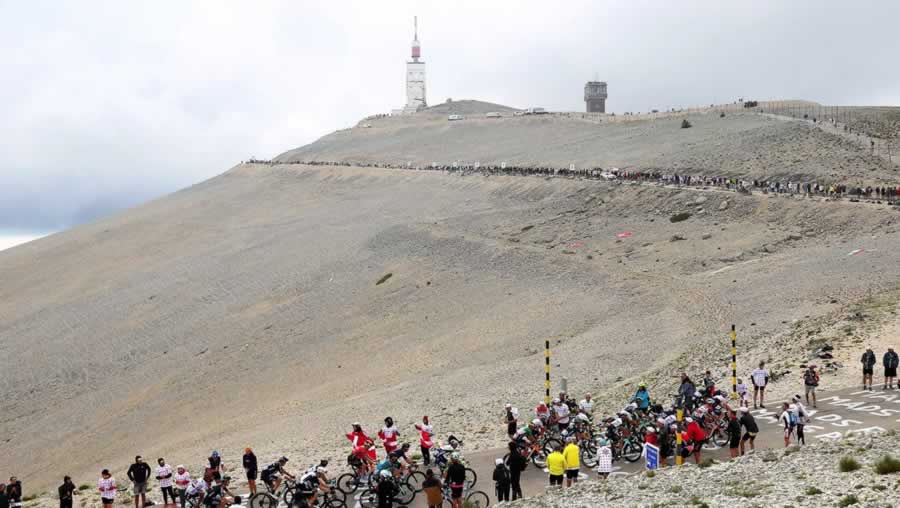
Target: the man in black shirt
pixel 456 479
pixel 4 501
pixel 66 491
pixel 14 490
pixel 251 468
pixel 734 433
pixel 516 465
pixel 139 473
pixel 750 427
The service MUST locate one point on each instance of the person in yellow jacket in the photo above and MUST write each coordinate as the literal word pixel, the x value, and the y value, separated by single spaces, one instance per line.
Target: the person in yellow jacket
pixel 573 463
pixel 556 464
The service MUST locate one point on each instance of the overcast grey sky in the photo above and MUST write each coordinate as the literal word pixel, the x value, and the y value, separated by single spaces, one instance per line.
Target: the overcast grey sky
pixel 106 104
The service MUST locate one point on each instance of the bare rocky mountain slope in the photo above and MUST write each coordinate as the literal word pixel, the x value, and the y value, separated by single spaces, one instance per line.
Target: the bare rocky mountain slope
pixel 246 309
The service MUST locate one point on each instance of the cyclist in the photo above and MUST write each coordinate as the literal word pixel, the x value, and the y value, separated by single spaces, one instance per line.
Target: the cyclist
pixel 308 487
pixel 390 464
pixel 219 496
pixel 543 413
pixel 271 475
pixel 455 477
pixel 387 489
pixel 581 427
pixel 402 458
pixel 362 460
pixel 198 490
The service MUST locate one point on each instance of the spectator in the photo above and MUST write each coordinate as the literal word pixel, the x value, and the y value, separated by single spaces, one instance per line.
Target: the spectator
pixel 750 428
pixel 182 482
pixel 664 437
pixel 107 486
pixel 868 368
pixel 890 361
pixel 586 405
pixel 14 490
pixel 562 412
pixel 604 458
pixel 357 437
pixel 786 421
pixel 501 480
pixel 139 473
pixel 802 419
pixel 251 468
pixel 571 455
pixel 743 393
pixel 66 491
pixel 456 478
pixel 642 397
pixel 811 381
pixel 556 465
pixel 696 435
pixel 511 418
pixel 516 466
pixel 215 469
pixel 686 392
pixel 734 433
pixel 709 385
pixel 4 500
pixel 426 431
pixel 433 489
pixel 760 378
pixel 164 475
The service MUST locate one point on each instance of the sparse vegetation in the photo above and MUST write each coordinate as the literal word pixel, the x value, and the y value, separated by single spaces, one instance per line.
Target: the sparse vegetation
pixel 848 500
pixel 708 461
pixel 84 486
pixel 384 278
pixel 678 217
pixel 812 491
pixel 685 124
pixel 651 474
pixel 887 465
pixel 848 464
pixel 675 489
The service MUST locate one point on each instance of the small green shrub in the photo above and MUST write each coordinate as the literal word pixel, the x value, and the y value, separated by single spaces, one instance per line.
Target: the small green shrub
pixel 651 473
pixel 879 488
pixel 678 217
pixel 696 501
pixel 384 279
pixel 812 491
pixel 32 497
pixel 887 465
pixel 84 486
pixel 675 489
pixel 848 464
pixel 848 500
pixel 708 461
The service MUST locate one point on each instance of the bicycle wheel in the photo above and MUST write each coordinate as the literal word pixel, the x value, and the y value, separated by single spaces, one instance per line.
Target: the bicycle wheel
pixel 405 494
pixel 263 500
pixel 539 459
pixel 368 499
pixel 720 438
pixel 288 496
pixel 632 451
pixel 334 502
pixel 471 478
pixel 589 455
pixel 477 499
pixel 347 483
pixel 415 480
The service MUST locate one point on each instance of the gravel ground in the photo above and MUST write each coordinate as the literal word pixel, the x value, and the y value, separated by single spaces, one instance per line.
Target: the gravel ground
pixel 245 310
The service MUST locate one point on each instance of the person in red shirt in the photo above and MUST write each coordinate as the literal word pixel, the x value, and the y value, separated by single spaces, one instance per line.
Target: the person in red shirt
pixel 389 435
pixel 365 460
pixel 651 437
pixel 696 436
pixel 425 432
pixel 358 437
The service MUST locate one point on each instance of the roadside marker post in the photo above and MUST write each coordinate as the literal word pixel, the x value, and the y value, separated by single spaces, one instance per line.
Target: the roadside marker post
pixel 547 372
pixel 734 394
pixel 678 460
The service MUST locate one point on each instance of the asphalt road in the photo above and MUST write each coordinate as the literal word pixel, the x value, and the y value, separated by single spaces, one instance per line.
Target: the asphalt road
pixel 838 412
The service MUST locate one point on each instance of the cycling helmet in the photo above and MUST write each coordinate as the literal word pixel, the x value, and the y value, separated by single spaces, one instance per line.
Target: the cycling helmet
pixel 671 419
pixel 454 456
pixel 642 385
pixel 385 474
pixel 283 459
pixel 215 453
pixel 719 398
pixel 689 419
pixel 537 422
pixel 603 441
pixel 710 401
pixel 631 407
pixel 651 428
pixel 556 401
pixel 617 422
pixel 323 462
pixel 321 470
pixel 582 417
pixel 792 407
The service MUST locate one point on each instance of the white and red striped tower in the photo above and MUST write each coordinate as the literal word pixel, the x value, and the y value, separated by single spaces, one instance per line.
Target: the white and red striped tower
pixel 415 76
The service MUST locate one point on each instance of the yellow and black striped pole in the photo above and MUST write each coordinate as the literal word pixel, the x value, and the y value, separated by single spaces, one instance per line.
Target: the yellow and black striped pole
pixel 547 372
pixel 678 459
pixel 734 394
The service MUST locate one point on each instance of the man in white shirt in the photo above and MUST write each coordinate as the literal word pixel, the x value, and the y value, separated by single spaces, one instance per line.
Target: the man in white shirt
pixel 760 378
pixel 802 418
pixel 164 474
pixel 562 414
pixel 107 486
pixel 586 405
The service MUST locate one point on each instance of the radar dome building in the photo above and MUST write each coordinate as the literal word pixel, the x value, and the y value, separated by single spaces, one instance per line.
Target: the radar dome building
pixel 595 96
pixel 415 77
